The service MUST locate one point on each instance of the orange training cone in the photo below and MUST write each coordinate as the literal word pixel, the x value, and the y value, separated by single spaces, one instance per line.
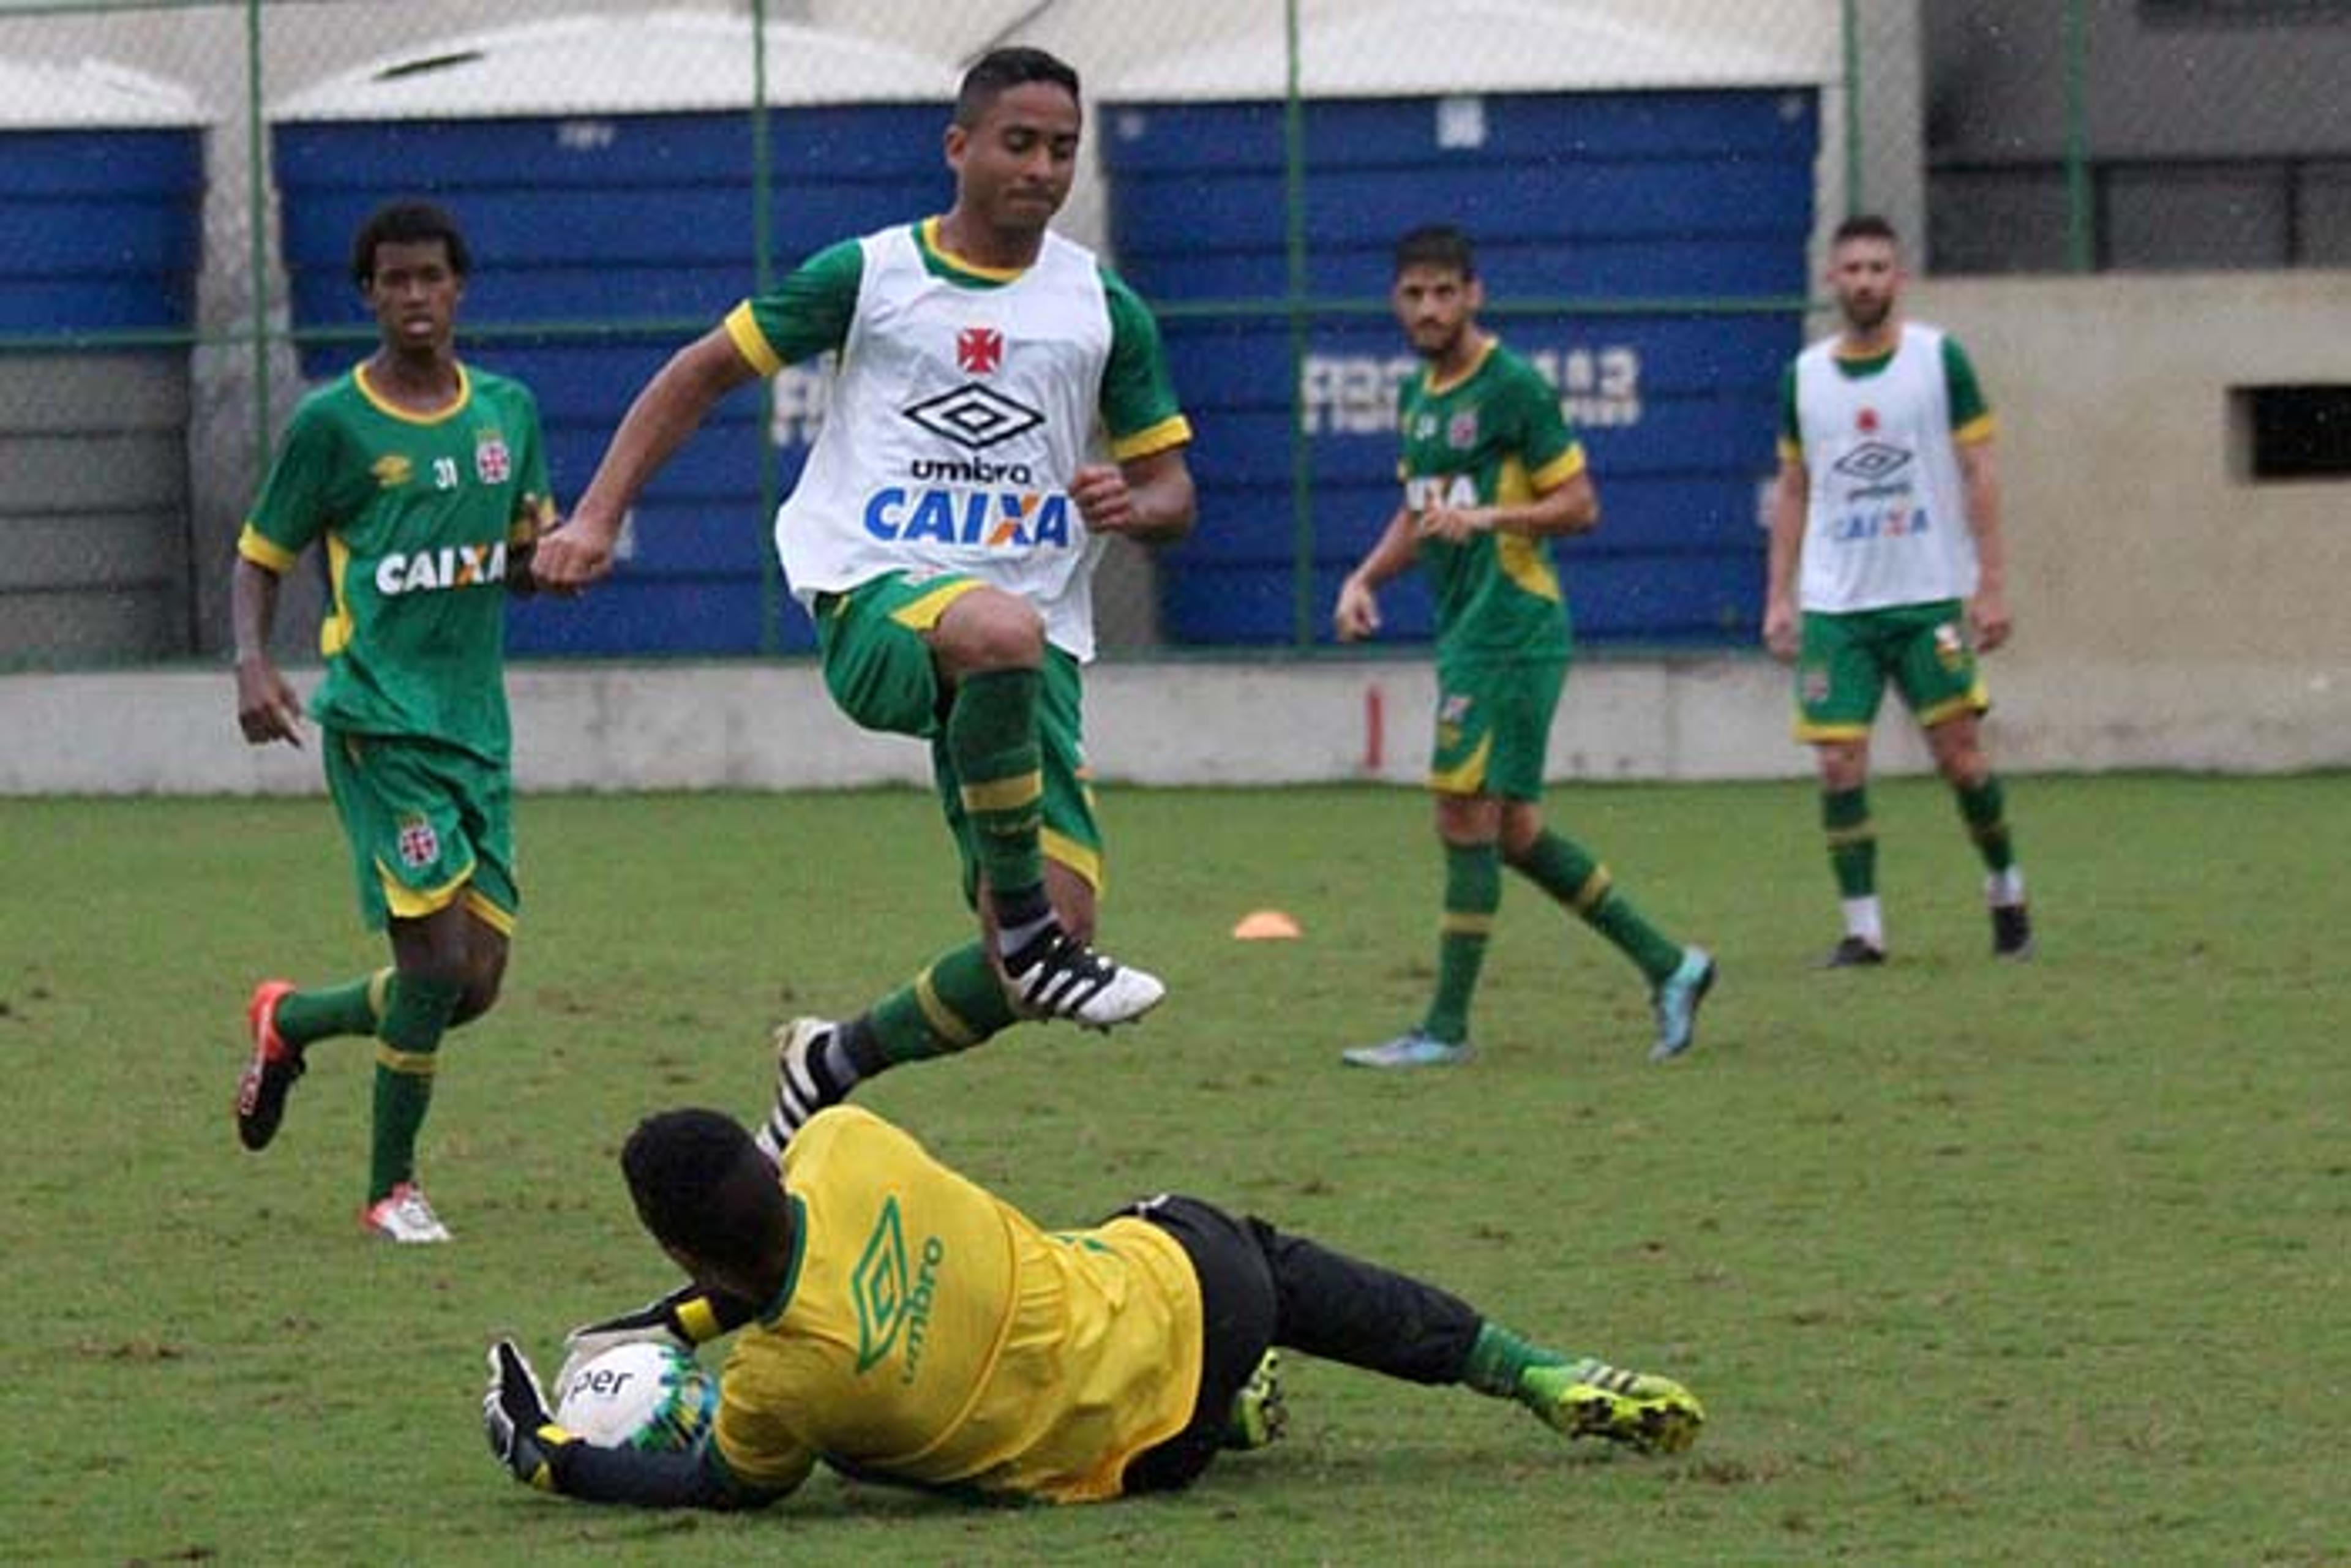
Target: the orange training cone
pixel 1266 926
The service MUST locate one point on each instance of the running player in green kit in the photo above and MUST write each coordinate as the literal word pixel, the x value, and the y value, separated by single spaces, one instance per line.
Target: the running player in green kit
pixel 1491 470
pixel 426 480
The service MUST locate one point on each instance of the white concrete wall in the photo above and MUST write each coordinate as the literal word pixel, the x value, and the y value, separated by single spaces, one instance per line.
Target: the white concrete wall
pixel 2171 613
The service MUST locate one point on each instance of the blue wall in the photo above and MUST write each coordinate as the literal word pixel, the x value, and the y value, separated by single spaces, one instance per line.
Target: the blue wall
pixel 610 220
pixel 99 230
pixel 1622 198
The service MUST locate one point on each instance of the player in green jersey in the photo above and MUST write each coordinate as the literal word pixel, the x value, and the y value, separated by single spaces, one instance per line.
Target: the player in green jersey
pixel 1491 473
pixel 424 479
pixel 899 1322
pixel 944 535
pixel 1888 566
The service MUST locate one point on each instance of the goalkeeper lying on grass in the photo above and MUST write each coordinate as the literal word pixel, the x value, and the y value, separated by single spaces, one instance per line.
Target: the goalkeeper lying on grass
pixel 898 1321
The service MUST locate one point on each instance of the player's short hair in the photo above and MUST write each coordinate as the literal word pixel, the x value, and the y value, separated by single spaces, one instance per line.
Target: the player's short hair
pixel 407 222
pixel 1000 71
pixel 1436 245
pixel 1865 226
pixel 702 1185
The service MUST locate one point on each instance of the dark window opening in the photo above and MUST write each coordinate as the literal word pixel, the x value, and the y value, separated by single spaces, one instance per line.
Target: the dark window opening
pixel 2295 431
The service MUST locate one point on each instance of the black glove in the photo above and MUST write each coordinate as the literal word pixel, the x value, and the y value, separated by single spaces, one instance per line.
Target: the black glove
pixel 522 1434
pixel 685 1318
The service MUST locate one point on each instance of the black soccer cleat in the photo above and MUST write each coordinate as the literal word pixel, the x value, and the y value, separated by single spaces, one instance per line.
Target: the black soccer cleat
pixel 1853 953
pixel 2011 931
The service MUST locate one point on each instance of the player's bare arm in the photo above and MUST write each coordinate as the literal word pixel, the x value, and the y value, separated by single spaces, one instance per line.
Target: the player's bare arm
pixel 1571 506
pixel 1358 613
pixel 672 407
pixel 1790 495
pixel 267 708
pixel 1980 479
pixel 1148 499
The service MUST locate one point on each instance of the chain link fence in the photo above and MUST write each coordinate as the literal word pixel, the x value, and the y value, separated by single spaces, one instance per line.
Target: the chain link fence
pixel 1648 183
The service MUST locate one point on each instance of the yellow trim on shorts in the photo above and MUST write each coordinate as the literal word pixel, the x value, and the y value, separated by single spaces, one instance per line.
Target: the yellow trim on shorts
pixel 1816 732
pixel 488 911
pixel 411 1063
pixel 1462 923
pixel 922 614
pixel 1595 887
pixel 1975 699
pixel 380 993
pixel 945 1021
pixel 1469 778
pixel 409 903
pixel 1153 439
pixel 1064 850
pixel 1004 794
pixel 743 329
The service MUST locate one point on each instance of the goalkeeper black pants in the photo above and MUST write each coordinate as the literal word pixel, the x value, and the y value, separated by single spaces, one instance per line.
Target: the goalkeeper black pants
pixel 1261 1287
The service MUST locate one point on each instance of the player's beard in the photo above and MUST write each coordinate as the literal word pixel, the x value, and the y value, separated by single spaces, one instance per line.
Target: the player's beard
pixel 1866 315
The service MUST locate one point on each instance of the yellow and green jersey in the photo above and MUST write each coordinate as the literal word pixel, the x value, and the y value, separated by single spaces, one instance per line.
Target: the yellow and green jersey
pixel 931 1332
pixel 1493 436
pixel 417 513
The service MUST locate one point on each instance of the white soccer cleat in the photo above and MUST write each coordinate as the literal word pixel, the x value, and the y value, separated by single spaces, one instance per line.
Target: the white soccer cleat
pixel 801 1087
pixel 402 1215
pixel 1056 975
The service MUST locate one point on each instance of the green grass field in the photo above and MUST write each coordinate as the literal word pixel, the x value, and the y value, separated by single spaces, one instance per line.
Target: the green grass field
pixel 1972 1263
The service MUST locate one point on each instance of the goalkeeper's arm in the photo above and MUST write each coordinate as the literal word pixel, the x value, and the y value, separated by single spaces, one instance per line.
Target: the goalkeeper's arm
pixel 686 1317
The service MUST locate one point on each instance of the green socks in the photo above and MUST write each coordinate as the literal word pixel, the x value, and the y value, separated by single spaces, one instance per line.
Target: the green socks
pixel 355 1007
pixel 1985 809
pixel 1499 1359
pixel 1852 840
pixel 1565 870
pixel 951 1005
pixel 991 738
pixel 1473 893
pixel 405 1060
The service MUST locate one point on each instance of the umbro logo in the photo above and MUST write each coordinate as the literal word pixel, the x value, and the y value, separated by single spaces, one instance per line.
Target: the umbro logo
pixel 1872 461
pixel 973 416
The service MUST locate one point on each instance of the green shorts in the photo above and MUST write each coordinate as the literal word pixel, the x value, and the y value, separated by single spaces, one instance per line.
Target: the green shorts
pixel 880 673
pixel 428 824
pixel 1493 726
pixel 1845 661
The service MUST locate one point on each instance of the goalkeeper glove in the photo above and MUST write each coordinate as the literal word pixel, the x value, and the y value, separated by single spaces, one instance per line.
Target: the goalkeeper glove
pixel 515 1417
pixel 682 1319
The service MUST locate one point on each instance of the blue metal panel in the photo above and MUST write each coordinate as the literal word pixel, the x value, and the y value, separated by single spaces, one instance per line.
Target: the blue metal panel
pixel 99 230
pixel 1618 196
pixel 607 219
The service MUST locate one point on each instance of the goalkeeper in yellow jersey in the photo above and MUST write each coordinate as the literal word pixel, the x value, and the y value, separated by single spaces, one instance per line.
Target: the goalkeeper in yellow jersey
pixel 897 1321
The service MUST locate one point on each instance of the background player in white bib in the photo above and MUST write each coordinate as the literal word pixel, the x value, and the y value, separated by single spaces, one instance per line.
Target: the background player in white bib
pixel 1000 406
pixel 1887 563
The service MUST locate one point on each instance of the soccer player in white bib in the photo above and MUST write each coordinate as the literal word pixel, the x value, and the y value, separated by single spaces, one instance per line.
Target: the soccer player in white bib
pixel 999 408
pixel 1887 564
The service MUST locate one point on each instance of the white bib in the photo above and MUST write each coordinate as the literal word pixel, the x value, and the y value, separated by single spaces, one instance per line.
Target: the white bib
pixel 1887 522
pixel 957 416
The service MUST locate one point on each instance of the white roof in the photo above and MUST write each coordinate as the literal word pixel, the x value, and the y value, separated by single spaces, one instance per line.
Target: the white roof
pixel 91 94
pixel 1472 47
pixel 653 62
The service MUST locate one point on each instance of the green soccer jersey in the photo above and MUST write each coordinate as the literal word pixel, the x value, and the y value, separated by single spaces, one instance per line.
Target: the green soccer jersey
pixel 1494 436
pixel 417 513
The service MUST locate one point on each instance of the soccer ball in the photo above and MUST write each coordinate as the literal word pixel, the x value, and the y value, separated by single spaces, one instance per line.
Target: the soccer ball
pixel 642 1395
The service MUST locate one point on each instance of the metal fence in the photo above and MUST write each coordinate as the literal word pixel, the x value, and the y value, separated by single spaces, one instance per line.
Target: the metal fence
pixel 1648 183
